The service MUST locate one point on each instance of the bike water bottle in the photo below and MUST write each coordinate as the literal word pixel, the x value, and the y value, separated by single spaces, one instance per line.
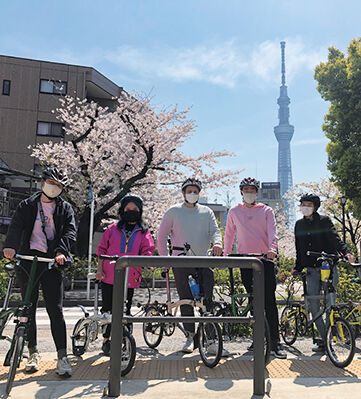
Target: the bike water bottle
pixel 194 287
pixel 325 271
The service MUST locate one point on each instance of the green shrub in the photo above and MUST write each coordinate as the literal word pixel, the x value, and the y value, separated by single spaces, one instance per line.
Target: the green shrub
pixel 346 289
pixel 4 278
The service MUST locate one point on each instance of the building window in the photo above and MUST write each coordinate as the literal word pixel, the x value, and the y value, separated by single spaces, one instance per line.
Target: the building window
pixel 50 129
pixel 6 87
pixel 53 87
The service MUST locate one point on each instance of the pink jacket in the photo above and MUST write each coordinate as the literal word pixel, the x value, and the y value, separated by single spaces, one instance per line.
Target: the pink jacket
pixel 255 228
pixel 114 242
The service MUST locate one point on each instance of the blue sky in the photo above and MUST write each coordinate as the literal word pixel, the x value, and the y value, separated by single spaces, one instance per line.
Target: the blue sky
pixel 220 57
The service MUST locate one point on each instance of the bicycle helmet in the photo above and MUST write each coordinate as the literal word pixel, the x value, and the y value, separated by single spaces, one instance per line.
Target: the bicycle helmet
pixel 249 181
pixel 55 174
pixel 136 199
pixel 310 197
pixel 192 182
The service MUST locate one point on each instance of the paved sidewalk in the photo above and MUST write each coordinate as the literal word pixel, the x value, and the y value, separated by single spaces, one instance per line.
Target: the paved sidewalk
pixel 185 376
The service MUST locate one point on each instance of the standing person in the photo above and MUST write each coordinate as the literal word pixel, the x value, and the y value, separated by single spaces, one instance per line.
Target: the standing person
pixel 129 236
pixel 255 226
pixel 317 233
pixel 196 225
pixel 44 225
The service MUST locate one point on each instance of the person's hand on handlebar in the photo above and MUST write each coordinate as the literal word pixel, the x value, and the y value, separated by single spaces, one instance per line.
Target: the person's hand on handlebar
pixel 350 258
pixel 271 254
pixel 99 275
pixel 60 258
pixel 9 253
pixel 217 250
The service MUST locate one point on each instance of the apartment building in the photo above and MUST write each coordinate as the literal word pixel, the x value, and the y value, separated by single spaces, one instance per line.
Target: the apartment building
pixel 30 90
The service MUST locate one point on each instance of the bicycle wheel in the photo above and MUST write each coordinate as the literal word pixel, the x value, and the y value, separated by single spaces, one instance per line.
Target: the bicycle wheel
pixel 15 357
pixel 301 324
pixel 340 342
pixel 153 331
pixel 80 338
pixel 289 325
pixel 210 343
pixel 128 352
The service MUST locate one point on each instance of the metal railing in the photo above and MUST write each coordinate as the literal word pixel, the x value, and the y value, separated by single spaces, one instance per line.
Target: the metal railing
pixel 119 294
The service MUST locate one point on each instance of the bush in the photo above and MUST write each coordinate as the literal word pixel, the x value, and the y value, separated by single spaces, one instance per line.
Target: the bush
pixel 346 289
pixel 4 278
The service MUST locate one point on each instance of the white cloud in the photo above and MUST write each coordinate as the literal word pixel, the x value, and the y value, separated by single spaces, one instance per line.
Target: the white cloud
pixel 223 64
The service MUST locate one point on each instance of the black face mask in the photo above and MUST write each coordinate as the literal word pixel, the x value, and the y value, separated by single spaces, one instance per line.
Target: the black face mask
pixel 131 216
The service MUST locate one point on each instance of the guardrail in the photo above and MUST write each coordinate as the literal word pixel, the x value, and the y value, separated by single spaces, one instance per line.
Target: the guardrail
pixel 119 294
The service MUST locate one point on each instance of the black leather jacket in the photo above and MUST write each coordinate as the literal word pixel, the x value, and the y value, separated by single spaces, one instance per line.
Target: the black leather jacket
pixel 22 225
pixel 317 234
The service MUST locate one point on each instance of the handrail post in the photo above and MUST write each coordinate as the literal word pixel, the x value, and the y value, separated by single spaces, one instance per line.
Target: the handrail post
pixel 117 331
pixel 259 329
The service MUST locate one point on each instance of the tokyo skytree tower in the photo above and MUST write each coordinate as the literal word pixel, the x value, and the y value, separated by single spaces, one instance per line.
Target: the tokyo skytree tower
pixel 284 132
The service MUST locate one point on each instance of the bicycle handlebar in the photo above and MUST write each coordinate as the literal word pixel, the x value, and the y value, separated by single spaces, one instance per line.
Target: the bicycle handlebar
pixel 31 258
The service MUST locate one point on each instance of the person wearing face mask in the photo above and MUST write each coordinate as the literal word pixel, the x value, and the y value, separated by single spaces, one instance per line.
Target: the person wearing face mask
pixel 44 225
pixel 317 233
pixel 255 226
pixel 128 236
pixel 195 224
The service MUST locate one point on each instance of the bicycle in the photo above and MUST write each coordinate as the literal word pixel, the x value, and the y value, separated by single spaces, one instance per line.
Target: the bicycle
pixel 208 335
pixel 240 306
pixel 87 328
pixel 20 313
pixel 295 319
pixel 351 310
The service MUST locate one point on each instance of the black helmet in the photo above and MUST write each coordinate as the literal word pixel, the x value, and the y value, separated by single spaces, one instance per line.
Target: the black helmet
pixel 249 181
pixel 56 174
pixel 192 182
pixel 310 197
pixel 136 199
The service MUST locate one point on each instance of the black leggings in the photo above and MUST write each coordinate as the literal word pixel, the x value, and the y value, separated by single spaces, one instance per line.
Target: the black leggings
pixel 107 300
pixel 206 278
pixel 270 297
pixel 52 287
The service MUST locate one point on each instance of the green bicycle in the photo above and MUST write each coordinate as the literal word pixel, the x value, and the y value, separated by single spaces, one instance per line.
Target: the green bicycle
pixel 340 340
pixel 21 314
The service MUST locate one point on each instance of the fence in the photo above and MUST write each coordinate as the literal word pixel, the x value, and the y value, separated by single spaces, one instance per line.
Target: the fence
pixel 119 293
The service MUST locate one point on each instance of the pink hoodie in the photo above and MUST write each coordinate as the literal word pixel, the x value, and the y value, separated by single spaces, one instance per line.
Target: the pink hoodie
pixel 255 228
pixel 114 242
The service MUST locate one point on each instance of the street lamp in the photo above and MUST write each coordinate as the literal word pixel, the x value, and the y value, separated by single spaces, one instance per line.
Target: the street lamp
pixel 343 200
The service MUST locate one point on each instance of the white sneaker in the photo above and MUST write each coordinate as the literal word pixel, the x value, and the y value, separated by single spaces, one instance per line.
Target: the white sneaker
pixel 188 346
pixel 213 350
pixel 32 364
pixel 63 367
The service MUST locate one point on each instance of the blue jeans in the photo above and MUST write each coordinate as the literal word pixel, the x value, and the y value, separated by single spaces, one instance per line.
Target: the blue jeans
pixel 314 285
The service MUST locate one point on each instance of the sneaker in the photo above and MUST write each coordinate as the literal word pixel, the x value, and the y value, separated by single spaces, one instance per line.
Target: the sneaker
pixel 106 347
pixel 213 349
pixel 188 346
pixel 63 367
pixel 319 348
pixel 279 352
pixel 32 364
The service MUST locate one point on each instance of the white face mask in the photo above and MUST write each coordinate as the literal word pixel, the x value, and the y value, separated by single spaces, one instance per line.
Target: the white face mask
pixel 192 198
pixel 249 198
pixel 51 190
pixel 306 210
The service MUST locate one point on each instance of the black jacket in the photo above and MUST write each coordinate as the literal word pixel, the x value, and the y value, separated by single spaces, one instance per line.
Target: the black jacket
pixel 317 234
pixel 22 224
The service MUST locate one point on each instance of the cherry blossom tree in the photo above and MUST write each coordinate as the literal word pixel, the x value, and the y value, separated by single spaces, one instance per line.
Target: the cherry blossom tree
pixel 330 205
pixel 133 147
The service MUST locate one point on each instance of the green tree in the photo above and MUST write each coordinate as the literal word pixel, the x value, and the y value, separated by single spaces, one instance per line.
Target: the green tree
pixel 339 82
